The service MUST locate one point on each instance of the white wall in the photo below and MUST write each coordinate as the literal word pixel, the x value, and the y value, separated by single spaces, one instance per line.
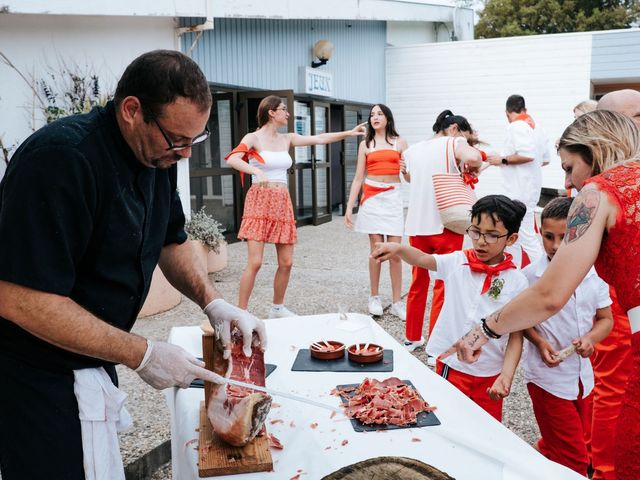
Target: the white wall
pixel 475 78
pixel 34 42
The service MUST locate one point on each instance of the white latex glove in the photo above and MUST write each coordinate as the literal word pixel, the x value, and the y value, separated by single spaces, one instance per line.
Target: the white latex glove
pixel 165 365
pixel 223 316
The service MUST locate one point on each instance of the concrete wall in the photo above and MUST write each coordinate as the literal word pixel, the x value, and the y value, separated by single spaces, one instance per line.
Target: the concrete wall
pixel 474 79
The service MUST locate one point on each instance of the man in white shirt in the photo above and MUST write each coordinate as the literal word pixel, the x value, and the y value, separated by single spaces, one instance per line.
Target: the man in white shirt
pixel 523 155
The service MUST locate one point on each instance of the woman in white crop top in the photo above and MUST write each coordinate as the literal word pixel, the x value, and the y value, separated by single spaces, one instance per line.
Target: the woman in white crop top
pixel 268 213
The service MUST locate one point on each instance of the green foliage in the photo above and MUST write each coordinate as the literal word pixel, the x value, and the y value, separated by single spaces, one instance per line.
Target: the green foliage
pixel 507 18
pixel 70 92
pixel 205 228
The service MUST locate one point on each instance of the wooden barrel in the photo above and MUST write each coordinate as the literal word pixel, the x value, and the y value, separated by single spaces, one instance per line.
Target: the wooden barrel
pixel 389 468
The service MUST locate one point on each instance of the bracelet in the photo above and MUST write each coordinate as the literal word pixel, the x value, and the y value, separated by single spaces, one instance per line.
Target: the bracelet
pixel 487 331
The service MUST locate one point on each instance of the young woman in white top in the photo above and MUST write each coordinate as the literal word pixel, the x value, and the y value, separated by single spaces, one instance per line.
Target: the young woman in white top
pixel 268 213
pixel 381 211
pixel 423 225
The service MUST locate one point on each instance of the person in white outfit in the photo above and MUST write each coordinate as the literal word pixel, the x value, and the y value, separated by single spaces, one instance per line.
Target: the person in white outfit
pixel 524 153
pixel 381 211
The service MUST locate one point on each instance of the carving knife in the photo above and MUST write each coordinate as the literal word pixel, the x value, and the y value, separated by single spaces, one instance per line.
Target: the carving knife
pixel 282 394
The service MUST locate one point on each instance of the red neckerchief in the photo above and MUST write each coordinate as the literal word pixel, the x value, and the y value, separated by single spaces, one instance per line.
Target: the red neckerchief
pixel 248 152
pixel 491 270
pixel 525 117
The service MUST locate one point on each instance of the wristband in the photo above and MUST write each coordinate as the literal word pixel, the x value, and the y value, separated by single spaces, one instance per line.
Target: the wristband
pixel 146 357
pixel 487 331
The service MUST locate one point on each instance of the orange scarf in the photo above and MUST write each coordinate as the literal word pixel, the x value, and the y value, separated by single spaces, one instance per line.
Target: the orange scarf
pixel 248 153
pixel 525 117
pixel 490 270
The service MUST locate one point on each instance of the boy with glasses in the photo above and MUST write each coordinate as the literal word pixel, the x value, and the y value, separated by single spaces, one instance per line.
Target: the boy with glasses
pixel 479 281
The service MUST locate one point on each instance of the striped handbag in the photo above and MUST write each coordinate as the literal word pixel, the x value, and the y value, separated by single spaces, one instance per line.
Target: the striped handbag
pixel 454 197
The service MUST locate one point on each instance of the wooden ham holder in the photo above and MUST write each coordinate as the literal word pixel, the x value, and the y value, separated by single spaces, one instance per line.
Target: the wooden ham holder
pixel 216 457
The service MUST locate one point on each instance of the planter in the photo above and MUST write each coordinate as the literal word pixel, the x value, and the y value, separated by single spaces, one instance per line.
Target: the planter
pixel 162 296
pixel 214 261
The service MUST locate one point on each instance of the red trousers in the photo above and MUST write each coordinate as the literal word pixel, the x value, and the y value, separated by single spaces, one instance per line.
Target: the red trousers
pixel 611 367
pixel 473 387
pixel 446 242
pixel 565 427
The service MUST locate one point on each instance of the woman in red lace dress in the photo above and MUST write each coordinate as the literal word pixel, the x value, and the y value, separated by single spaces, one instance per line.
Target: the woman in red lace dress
pixel 603 228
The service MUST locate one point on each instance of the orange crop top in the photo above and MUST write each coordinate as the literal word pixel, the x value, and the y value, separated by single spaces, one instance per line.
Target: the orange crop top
pixel 383 162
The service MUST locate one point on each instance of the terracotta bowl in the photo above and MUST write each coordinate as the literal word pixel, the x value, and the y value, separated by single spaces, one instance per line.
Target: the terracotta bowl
pixel 322 351
pixel 372 354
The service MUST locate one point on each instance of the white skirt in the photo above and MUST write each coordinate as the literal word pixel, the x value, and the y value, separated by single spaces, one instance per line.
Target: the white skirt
pixel 381 213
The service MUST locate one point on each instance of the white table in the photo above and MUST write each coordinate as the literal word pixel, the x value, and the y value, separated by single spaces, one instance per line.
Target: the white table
pixel 469 443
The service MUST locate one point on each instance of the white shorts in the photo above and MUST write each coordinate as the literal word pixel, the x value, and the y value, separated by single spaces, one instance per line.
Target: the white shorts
pixel 382 213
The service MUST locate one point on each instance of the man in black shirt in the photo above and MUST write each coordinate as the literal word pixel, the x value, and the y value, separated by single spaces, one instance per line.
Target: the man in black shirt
pixel 88 208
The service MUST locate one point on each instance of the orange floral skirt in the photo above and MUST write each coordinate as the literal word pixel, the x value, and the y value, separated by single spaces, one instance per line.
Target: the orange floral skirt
pixel 268 216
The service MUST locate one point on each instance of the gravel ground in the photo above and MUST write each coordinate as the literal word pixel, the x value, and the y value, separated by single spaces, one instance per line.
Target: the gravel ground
pixel 330 271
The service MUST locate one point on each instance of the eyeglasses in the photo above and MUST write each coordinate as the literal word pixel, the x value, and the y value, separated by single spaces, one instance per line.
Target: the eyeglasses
pixel 173 147
pixel 488 237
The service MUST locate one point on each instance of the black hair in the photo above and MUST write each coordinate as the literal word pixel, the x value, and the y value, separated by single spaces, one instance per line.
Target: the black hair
pixel 500 208
pixel 390 130
pixel 557 209
pixel 515 104
pixel 158 77
pixel 447 118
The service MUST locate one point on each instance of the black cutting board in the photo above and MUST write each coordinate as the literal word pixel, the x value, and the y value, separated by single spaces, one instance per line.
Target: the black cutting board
pixel 268 368
pixel 425 419
pixel 304 362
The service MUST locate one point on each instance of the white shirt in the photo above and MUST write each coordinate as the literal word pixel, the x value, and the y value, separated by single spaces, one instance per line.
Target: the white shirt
pixel 573 321
pixel 423 160
pixel 523 181
pixel 275 165
pixel 463 308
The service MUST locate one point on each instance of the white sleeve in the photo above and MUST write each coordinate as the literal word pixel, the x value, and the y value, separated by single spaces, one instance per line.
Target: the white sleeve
pixel 446 263
pixel 520 140
pixel 602 293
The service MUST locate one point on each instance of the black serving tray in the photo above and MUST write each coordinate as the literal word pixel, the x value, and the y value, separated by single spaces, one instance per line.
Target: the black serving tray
pixel 425 419
pixel 304 362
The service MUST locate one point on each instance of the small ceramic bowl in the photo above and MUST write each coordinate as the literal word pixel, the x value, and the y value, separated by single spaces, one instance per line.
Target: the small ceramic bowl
pixel 373 353
pixel 329 350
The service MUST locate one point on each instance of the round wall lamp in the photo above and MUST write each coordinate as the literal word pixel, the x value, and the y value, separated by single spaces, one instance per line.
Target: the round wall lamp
pixel 322 50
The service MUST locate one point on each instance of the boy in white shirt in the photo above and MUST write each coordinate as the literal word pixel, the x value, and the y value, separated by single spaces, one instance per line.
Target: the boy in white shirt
pixel 479 281
pixel 560 390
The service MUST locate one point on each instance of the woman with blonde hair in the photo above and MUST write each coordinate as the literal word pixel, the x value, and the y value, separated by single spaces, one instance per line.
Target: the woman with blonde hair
pixel 603 229
pixel 583 107
pixel 268 213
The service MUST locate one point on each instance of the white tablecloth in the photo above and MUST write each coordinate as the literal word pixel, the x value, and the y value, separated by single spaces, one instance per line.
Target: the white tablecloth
pixel 469 443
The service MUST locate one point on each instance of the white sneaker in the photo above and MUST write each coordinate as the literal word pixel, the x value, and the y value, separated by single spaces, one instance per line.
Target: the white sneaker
pixel 398 310
pixel 431 361
pixel 375 307
pixel 412 345
pixel 280 312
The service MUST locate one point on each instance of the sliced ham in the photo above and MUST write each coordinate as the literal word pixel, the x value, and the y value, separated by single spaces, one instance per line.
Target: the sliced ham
pixel 388 402
pixel 238 414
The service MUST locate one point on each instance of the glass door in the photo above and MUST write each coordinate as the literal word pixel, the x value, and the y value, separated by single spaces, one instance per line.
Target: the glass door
pixel 321 165
pixel 352 117
pixel 213 185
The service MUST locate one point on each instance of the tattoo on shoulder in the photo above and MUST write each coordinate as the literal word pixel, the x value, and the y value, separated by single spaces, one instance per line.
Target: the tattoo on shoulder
pixel 581 215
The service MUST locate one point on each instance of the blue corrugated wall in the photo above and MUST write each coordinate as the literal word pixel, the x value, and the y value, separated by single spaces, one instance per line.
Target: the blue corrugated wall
pixel 266 54
pixel 616 56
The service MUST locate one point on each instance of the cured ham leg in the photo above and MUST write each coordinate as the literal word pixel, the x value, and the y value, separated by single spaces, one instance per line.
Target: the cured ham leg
pixel 238 414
